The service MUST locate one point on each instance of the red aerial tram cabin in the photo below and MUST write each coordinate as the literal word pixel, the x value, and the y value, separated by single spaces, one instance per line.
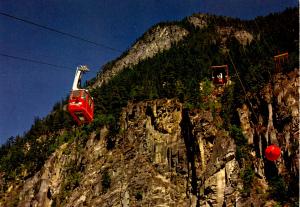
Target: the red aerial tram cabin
pixel 220 74
pixel 81 104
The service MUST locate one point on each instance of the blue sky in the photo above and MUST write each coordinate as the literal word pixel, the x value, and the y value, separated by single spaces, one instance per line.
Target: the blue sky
pixel 28 90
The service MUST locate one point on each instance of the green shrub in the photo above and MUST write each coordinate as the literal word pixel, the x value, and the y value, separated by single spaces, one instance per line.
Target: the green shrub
pixel 237 134
pixel 278 189
pixel 106 181
pixel 247 174
pixel 139 196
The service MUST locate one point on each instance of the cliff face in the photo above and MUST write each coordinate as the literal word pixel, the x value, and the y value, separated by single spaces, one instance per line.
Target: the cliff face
pixel 166 155
pixel 155 161
pixel 243 36
pixel 156 40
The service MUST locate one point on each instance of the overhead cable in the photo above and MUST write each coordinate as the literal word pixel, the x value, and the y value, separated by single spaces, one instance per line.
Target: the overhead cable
pixel 243 87
pixel 59 32
pixel 36 61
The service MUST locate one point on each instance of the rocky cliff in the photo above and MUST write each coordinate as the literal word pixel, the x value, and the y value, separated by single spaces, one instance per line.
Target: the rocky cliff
pixel 167 155
pixel 155 40
pixel 163 156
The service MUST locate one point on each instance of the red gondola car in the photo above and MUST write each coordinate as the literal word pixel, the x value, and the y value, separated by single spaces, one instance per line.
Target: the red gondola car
pixel 220 74
pixel 81 104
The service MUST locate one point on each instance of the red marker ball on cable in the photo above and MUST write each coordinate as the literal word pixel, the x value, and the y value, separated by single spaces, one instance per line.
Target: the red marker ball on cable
pixel 272 152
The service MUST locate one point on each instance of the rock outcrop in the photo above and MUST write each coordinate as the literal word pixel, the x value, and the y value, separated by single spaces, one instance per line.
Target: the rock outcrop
pixel 155 40
pixel 244 37
pixel 163 156
pixel 198 20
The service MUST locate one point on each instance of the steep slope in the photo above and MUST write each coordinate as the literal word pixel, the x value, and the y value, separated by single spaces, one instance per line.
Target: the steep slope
pixel 163 135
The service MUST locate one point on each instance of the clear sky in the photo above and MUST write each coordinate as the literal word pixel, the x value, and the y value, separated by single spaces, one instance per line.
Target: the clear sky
pixel 28 90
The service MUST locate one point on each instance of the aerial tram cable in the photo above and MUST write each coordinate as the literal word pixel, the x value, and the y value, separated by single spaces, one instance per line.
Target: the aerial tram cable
pixel 279 57
pixel 59 32
pixel 35 61
pixel 243 87
pixel 271 49
pixel 272 152
pixel 54 66
pixel 258 45
pixel 264 41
